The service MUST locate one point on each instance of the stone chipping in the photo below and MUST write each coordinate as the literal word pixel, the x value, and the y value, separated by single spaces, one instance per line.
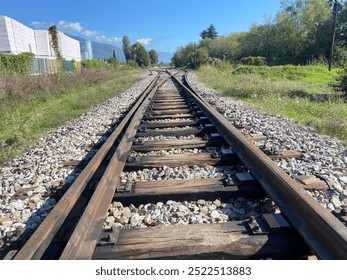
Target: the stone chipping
pixel 185 212
pixel 322 156
pixel 26 180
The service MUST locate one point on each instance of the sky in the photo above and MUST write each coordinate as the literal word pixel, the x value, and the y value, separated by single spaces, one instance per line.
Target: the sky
pixel 158 24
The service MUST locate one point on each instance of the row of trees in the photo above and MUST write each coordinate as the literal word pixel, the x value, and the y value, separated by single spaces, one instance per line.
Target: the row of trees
pixel 137 53
pixel 300 33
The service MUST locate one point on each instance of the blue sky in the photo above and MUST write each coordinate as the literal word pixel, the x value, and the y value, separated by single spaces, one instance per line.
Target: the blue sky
pixel 158 24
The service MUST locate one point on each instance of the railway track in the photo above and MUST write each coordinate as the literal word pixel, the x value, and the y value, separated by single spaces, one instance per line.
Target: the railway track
pixel 170 116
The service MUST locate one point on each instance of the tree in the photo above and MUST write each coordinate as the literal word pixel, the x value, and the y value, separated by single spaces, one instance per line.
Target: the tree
pixel 341 29
pixel 198 57
pixel 340 83
pixel 52 30
pixel 54 42
pixel 140 55
pixel 113 61
pixel 191 56
pixel 299 33
pixel 153 57
pixel 210 32
pixel 126 48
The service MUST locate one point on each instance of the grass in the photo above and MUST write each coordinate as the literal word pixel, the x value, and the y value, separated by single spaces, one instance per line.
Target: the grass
pixel 304 74
pixel 25 119
pixel 299 92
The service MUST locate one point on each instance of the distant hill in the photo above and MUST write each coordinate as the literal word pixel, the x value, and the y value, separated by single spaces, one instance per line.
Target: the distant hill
pixel 106 51
pixel 101 51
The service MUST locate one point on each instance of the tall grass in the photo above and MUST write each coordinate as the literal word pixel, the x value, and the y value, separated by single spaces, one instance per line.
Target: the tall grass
pixel 33 105
pixel 21 88
pixel 299 92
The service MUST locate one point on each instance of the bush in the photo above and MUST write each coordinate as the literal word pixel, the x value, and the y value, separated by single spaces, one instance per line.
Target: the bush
pixel 93 63
pixel 21 88
pixel 253 60
pixel 16 64
pixel 340 83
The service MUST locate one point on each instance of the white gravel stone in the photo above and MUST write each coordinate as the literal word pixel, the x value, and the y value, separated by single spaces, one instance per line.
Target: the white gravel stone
pixel 189 212
pixel 323 156
pixel 41 168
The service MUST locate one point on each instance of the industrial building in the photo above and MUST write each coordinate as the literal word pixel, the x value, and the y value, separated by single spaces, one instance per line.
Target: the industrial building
pixel 16 38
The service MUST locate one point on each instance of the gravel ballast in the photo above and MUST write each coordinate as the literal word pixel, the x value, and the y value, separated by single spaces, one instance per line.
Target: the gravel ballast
pixel 34 174
pixel 27 179
pixel 322 156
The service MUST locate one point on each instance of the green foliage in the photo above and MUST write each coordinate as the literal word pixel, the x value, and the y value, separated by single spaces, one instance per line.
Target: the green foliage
pixel 306 74
pixel 140 55
pixel 299 34
pixel 192 56
pixel 340 82
pixel 210 32
pixel 113 62
pixel 54 42
pixel 15 64
pixel 307 99
pixel 153 57
pixel 44 102
pixel 126 48
pixel 341 34
pixel 93 64
pixel 253 60
pixel 52 30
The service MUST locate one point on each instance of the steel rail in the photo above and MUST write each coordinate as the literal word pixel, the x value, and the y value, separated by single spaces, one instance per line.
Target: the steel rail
pixel 37 244
pixel 82 242
pixel 325 235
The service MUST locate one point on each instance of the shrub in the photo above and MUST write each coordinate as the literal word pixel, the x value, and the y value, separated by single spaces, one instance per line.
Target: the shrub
pixel 253 60
pixel 93 63
pixel 340 83
pixel 16 64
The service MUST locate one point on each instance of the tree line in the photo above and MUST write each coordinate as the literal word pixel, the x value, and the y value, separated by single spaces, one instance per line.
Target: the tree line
pixel 300 33
pixel 137 54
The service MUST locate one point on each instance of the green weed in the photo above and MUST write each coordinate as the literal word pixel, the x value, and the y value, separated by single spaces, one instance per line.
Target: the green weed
pixel 25 119
pixel 299 92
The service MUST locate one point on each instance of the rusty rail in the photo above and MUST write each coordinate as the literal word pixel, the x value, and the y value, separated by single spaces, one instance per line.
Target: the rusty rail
pixel 326 236
pixel 82 243
pixel 35 247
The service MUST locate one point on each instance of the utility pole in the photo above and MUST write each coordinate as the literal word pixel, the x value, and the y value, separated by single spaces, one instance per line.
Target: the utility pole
pixel 337 7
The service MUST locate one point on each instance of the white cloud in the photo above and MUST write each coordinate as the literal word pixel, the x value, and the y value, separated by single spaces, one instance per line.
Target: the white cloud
pixel 90 33
pixel 107 39
pixel 145 41
pixel 117 39
pixel 74 26
pixel 38 24
pixel 77 27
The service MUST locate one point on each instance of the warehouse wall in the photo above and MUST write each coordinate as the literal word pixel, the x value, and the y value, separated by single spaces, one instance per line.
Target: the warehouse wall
pixel 69 48
pixel 15 37
pixel 44 49
pixel 4 39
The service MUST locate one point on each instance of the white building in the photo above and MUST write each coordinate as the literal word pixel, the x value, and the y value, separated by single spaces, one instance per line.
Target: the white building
pixel 69 48
pixel 16 38
pixel 86 49
pixel 44 50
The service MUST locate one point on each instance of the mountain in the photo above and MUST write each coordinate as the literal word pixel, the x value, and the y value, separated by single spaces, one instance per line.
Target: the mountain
pixel 100 50
pixel 106 51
